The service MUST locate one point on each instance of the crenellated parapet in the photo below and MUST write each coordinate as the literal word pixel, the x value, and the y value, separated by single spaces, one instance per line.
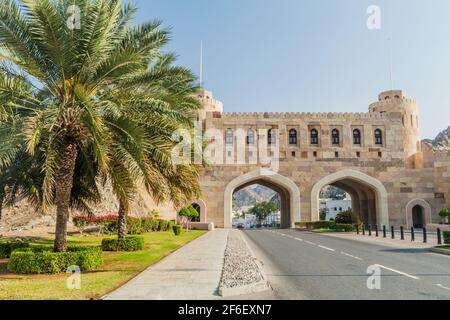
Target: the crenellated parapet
pixel 304 115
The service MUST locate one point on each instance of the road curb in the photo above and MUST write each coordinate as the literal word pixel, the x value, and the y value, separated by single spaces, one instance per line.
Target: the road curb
pixel 441 251
pixel 259 286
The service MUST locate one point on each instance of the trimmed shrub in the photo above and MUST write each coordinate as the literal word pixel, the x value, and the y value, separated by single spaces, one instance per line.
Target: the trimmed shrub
pixel 41 260
pixel 163 225
pixel 134 226
pixel 7 248
pixel 177 229
pixel 343 227
pixel 347 217
pixel 446 237
pixel 131 243
pixel 149 224
pixel 319 225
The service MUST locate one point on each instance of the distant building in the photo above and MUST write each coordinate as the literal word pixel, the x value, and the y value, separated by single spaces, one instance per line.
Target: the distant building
pixel 335 206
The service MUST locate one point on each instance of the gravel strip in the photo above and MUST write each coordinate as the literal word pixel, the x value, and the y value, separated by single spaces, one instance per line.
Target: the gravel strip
pixel 239 267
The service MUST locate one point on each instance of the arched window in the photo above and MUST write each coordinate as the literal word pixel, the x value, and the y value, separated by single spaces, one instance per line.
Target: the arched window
pixel 314 136
pixel 250 136
pixel 378 137
pixel 335 139
pixel 229 139
pixel 356 136
pixel 271 137
pixel 292 136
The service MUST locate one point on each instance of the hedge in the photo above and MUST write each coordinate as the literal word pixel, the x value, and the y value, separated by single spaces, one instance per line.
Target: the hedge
pixel 319 225
pixel 137 226
pixel 343 227
pixel 131 243
pixel 41 260
pixel 446 237
pixel 332 225
pixel 6 248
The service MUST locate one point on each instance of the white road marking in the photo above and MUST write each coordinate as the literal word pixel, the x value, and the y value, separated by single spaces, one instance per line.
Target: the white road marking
pixel 351 256
pixel 441 286
pixel 399 272
pixel 326 248
pixel 309 242
pixel 298 239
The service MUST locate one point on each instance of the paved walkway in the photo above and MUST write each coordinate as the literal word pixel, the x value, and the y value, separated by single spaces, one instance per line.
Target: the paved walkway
pixel 191 273
pixel 388 242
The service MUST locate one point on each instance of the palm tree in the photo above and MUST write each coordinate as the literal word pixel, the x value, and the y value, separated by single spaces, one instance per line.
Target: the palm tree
pixel 163 101
pixel 68 91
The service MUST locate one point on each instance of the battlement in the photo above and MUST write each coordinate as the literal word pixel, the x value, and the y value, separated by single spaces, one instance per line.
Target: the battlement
pixel 304 115
pixel 393 102
pixel 210 104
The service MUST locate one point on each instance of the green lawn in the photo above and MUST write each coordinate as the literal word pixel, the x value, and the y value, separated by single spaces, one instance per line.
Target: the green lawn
pixel 117 269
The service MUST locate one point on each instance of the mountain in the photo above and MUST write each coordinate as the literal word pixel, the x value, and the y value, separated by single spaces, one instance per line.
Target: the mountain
pixel 330 192
pixel 252 195
pixel 442 141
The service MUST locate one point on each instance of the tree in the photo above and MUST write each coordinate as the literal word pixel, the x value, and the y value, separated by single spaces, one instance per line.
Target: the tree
pixel 188 214
pixel 73 96
pixel 323 214
pixel 263 209
pixel 444 214
pixel 163 101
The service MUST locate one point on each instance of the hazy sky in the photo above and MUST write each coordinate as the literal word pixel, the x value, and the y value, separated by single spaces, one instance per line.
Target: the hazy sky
pixel 314 55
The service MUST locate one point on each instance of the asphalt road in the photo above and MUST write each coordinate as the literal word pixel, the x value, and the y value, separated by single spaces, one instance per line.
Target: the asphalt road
pixel 303 265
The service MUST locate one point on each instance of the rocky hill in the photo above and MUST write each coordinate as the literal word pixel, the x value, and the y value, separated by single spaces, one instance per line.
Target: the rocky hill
pixel 252 195
pixel 441 142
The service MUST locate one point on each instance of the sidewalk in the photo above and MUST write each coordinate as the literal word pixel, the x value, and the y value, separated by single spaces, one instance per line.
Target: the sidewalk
pixel 388 242
pixel 191 273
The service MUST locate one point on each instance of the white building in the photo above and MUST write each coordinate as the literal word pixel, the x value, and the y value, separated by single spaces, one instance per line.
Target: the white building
pixel 335 206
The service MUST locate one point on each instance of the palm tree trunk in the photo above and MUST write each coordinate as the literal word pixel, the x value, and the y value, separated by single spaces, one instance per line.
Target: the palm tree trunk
pixel 63 186
pixel 122 221
pixel 1 207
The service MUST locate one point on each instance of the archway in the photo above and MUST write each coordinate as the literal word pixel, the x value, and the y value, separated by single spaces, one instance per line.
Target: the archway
pixel 200 205
pixel 369 196
pixel 418 213
pixel 288 190
pixel 259 204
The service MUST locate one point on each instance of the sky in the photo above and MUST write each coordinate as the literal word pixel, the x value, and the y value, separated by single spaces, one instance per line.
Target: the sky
pixel 313 55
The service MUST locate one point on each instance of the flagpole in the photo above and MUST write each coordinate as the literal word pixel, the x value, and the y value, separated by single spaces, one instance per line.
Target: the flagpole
pixel 391 73
pixel 201 63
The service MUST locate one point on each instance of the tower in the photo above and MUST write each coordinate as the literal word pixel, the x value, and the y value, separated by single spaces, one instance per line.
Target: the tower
pixel 395 102
pixel 209 104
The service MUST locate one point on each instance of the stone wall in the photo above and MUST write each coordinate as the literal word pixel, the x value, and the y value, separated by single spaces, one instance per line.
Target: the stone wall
pixel 406 172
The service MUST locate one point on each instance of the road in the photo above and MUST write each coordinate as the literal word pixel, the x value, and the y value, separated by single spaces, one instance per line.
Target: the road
pixel 303 265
